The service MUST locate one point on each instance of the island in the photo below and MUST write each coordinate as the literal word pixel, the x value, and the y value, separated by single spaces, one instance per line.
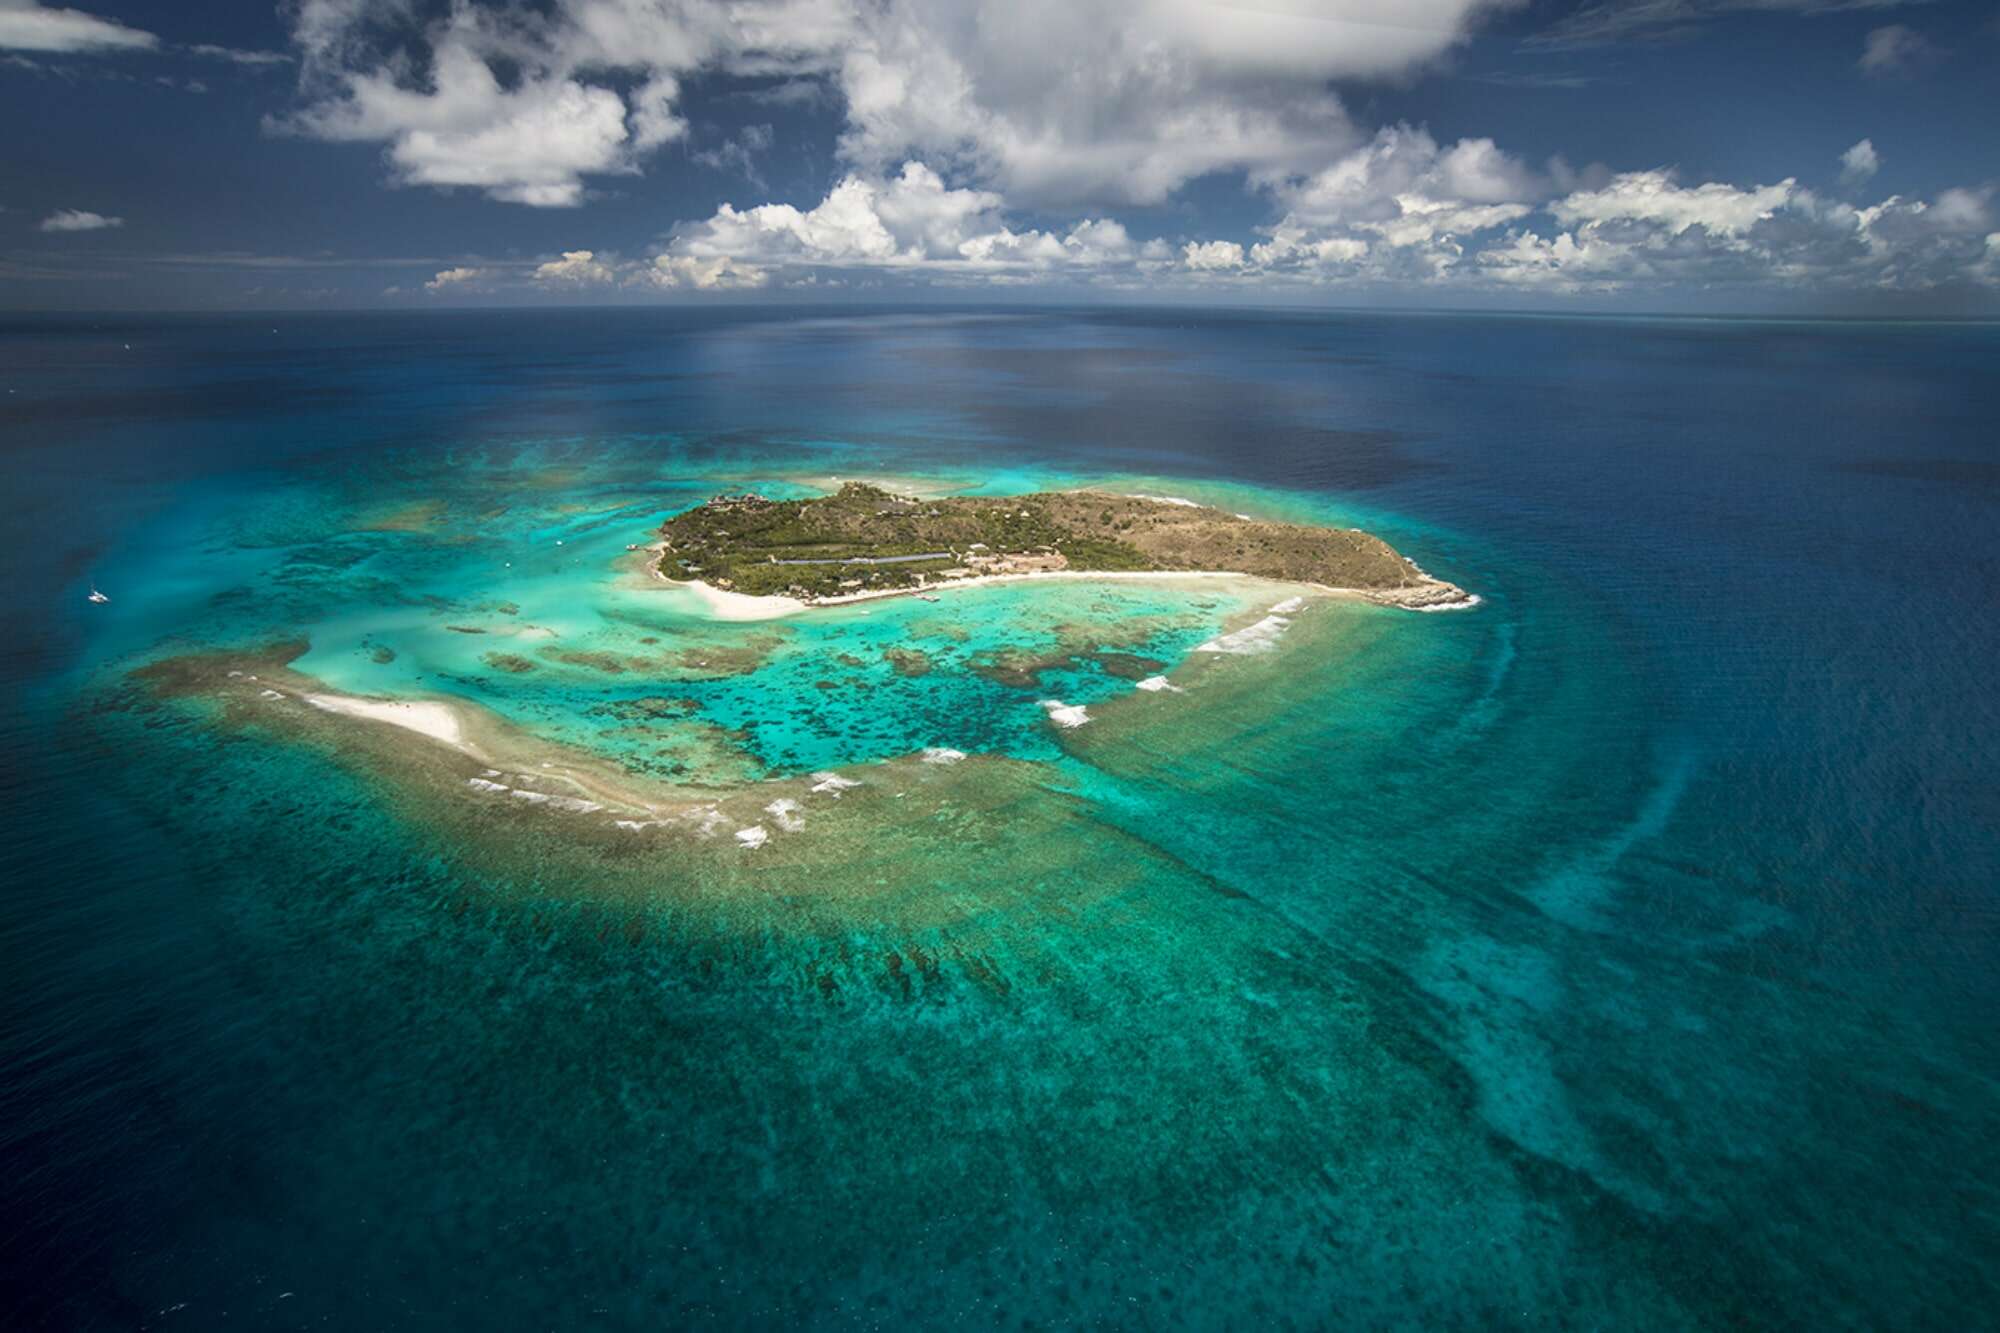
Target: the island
pixel 865 541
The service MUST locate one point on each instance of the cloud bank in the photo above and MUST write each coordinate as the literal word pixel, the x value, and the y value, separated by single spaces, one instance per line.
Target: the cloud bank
pixel 1401 212
pixel 994 142
pixel 1071 102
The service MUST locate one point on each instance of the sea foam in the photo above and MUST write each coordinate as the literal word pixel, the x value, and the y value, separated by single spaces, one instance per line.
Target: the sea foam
pixel 1261 637
pixel 1465 603
pixel 575 803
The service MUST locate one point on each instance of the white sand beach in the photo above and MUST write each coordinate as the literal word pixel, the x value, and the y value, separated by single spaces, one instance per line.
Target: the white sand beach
pixel 721 604
pixel 735 606
pixel 426 717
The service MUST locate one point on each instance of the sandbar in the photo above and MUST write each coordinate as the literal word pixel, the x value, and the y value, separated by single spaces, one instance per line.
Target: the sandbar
pixel 426 717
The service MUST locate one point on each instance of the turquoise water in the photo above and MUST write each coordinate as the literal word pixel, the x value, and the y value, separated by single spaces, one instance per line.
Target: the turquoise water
pixel 1617 954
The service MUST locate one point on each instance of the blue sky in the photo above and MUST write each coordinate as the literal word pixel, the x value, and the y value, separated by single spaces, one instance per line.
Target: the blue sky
pixel 1790 156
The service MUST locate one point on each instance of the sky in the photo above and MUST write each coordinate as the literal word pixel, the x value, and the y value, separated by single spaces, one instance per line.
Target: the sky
pixel 1806 157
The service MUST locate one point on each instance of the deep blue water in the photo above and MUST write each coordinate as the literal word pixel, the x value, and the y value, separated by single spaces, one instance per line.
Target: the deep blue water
pixel 1622 953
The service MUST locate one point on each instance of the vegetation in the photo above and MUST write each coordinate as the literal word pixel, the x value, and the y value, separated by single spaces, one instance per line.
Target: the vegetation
pixel 863 538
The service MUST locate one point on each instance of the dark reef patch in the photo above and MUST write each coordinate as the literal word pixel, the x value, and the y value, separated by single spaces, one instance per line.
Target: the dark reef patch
pixel 512 662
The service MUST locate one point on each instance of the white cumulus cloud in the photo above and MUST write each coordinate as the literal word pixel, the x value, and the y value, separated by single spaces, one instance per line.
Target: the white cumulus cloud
pixel 908 218
pixel 528 144
pixel 1401 206
pixel 1657 199
pixel 1208 256
pixel 717 273
pixel 77 219
pixel 455 277
pixel 908 222
pixel 525 104
pixel 1860 162
pixel 576 268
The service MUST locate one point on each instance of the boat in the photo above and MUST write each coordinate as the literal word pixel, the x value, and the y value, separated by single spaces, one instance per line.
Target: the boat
pixel 97 596
pixel 925 597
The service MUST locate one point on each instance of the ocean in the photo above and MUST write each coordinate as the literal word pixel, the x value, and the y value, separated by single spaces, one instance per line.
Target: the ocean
pixel 1622 952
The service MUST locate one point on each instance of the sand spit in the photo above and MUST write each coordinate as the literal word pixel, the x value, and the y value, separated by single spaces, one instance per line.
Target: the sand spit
pixel 455 743
pixel 459 747
pixel 425 717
